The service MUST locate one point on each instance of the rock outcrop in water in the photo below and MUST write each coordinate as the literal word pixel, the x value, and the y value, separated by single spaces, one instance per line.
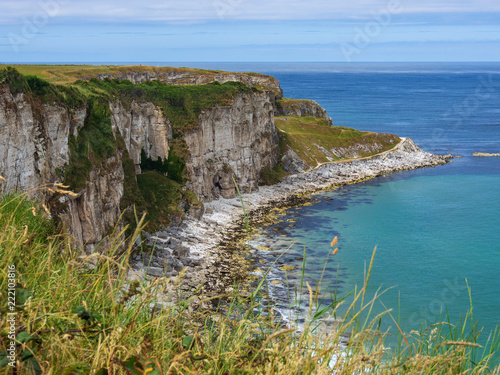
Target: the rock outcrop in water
pixel 485 155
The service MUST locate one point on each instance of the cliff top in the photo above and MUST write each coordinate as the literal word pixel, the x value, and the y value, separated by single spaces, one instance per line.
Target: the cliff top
pixel 64 74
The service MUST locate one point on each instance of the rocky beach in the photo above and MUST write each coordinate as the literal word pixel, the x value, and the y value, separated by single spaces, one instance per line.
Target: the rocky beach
pixel 208 247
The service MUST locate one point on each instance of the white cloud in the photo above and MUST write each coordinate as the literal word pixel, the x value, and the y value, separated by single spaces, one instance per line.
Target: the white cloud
pixel 202 10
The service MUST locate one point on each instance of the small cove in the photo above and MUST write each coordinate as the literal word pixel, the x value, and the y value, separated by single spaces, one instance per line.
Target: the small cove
pixel 425 254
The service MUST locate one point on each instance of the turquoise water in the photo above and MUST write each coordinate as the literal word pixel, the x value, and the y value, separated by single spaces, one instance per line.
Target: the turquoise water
pixel 434 228
pixel 430 239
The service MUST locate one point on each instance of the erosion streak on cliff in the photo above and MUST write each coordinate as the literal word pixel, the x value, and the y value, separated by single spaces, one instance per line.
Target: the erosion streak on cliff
pixel 239 140
pixel 64 74
pixel 97 143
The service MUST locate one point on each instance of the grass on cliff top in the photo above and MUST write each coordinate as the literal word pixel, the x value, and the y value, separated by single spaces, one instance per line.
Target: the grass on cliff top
pixel 96 142
pixel 78 314
pixel 305 134
pixel 64 74
pixel 182 105
pixel 287 102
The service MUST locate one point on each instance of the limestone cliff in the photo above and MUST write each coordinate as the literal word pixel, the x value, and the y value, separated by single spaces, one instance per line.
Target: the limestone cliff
pixel 143 127
pixel 301 108
pixel 33 140
pixel 238 140
pixel 173 76
pixel 35 151
pixel 44 139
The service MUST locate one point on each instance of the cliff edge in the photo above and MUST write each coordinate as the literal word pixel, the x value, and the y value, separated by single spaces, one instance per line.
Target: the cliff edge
pixel 161 141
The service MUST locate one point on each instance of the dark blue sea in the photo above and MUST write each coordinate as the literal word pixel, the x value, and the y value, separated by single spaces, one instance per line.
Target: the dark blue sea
pixel 437 230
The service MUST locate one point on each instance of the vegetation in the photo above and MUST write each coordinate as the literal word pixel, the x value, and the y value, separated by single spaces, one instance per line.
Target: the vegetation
pixel 271 176
pixel 79 314
pixel 94 144
pixel 309 137
pixel 64 74
pixel 287 104
pixel 96 141
pixel 182 105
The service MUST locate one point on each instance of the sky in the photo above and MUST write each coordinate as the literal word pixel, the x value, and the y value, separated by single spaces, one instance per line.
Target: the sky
pixel 113 31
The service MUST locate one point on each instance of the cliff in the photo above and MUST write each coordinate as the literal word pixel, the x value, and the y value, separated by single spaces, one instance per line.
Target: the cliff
pixel 180 76
pixel 35 149
pixel 117 149
pixel 135 141
pixel 219 149
pixel 301 108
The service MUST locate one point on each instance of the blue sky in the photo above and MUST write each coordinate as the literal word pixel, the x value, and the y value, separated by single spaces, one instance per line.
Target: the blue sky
pixel 249 30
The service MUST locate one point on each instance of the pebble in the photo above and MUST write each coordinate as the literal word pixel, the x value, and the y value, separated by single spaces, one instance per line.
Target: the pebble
pixel 218 234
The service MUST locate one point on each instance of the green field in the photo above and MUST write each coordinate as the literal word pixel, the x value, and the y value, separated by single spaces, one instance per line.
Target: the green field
pixel 63 74
pixel 305 134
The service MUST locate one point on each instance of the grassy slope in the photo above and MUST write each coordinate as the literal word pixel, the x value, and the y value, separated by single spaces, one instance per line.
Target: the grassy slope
pixel 72 319
pixel 303 134
pixel 63 74
pixel 95 142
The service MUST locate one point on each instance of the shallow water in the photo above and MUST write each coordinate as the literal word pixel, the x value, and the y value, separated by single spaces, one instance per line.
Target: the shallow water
pixel 436 229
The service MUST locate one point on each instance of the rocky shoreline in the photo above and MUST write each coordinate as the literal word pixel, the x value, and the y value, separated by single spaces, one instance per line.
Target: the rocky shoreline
pixel 207 248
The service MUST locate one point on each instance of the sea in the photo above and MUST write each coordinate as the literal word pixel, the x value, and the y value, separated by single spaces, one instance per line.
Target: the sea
pixel 436 230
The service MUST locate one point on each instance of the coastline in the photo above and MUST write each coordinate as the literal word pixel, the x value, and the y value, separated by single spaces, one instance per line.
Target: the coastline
pixel 214 240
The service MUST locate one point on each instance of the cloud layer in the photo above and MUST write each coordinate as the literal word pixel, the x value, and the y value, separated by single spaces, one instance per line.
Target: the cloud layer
pixel 249 30
pixel 202 10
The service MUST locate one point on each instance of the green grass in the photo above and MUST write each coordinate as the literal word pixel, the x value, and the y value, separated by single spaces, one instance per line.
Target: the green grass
pixel 162 196
pixel 305 134
pixel 289 104
pixel 271 176
pixel 79 314
pixel 64 74
pixel 96 142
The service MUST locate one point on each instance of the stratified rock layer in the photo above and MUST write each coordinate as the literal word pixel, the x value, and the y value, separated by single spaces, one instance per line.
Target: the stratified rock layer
pixel 238 140
pixel 173 76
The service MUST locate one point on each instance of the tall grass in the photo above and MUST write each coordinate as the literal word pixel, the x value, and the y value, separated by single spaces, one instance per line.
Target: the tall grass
pixel 83 314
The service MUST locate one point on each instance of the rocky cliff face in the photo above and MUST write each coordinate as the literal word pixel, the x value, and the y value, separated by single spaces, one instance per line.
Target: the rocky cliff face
pixel 172 76
pixel 301 108
pixel 33 140
pixel 143 127
pixel 238 140
pixel 95 211
pixel 34 152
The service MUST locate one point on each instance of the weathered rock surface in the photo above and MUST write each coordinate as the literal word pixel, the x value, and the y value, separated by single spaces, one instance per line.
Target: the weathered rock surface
pixel 301 108
pixel 34 152
pixel 240 140
pixel 33 141
pixel 143 127
pixel 485 155
pixel 96 210
pixel 174 76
